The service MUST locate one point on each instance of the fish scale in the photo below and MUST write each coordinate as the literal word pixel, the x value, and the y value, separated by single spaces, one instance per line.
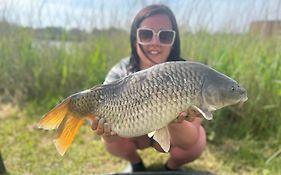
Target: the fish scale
pixel 167 81
pixel 139 98
pixel 145 101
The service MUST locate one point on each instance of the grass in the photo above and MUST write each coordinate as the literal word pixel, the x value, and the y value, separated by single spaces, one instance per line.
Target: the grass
pixel 35 77
pixel 255 64
pixel 28 150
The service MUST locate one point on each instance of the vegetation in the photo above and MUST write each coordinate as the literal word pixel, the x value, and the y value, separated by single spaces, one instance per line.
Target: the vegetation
pixel 36 73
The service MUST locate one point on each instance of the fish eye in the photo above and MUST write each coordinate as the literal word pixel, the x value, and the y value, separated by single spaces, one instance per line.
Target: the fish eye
pixel 232 88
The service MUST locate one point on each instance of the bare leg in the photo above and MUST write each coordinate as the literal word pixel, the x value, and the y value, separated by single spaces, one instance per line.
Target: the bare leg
pixel 179 156
pixel 127 148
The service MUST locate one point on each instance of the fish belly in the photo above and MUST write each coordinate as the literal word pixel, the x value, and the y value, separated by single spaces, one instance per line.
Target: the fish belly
pixel 146 120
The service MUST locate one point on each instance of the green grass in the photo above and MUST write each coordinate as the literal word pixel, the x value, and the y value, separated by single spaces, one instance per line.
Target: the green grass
pixel 36 77
pixel 29 150
pixel 255 64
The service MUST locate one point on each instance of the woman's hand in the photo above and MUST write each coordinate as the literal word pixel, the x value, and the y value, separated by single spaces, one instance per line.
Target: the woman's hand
pixel 103 129
pixel 190 116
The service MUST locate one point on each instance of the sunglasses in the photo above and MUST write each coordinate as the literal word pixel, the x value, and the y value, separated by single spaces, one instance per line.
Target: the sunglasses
pixel 165 36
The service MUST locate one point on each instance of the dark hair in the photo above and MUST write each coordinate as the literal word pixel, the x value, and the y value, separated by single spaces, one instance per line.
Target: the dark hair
pixel 143 14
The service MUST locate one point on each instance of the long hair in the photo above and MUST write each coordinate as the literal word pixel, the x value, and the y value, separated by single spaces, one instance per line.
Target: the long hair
pixel 143 14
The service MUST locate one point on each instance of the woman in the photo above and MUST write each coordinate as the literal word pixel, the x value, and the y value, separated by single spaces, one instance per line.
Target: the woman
pixel 154 39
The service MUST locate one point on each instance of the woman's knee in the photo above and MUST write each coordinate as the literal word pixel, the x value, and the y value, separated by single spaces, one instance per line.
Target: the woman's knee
pixel 192 152
pixel 201 144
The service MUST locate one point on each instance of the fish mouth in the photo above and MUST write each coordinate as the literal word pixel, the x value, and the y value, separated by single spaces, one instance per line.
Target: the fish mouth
pixel 243 95
pixel 243 99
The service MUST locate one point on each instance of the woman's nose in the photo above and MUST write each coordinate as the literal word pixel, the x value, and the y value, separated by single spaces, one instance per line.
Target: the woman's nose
pixel 155 40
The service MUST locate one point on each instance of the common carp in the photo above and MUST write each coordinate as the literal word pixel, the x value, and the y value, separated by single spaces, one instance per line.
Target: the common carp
pixel 145 102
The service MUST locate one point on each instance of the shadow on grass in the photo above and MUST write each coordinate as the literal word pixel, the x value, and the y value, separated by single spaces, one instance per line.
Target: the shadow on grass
pixel 2 166
pixel 159 169
pixel 188 171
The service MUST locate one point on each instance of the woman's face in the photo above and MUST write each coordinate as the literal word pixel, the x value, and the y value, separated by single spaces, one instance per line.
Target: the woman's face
pixel 154 53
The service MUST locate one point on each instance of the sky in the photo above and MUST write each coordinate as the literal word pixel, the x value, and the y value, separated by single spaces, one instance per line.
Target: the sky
pixel 192 15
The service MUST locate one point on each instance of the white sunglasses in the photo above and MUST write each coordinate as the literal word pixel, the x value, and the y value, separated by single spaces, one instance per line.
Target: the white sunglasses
pixel 166 37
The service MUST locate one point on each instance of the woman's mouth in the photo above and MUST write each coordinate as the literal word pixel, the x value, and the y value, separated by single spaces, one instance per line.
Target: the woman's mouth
pixel 154 52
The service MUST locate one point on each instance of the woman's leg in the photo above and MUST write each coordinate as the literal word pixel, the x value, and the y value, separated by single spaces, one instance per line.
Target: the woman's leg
pixel 127 148
pixel 179 156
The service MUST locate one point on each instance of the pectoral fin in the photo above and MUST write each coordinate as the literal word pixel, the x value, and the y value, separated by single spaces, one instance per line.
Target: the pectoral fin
pixel 205 113
pixel 162 136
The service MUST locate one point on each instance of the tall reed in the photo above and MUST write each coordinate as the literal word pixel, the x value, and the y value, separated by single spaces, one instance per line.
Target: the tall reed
pixel 44 72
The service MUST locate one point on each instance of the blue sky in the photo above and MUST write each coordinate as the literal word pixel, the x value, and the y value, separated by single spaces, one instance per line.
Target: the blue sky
pixel 212 15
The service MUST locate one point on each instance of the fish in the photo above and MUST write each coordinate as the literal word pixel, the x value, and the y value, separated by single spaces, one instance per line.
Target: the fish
pixel 145 102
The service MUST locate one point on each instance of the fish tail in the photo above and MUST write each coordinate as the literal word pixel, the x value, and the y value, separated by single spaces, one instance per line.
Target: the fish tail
pixel 54 118
pixel 66 122
pixel 66 132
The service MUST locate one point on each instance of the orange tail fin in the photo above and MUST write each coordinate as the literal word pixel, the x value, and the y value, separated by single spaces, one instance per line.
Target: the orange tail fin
pixel 66 123
pixel 66 132
pixel 53 119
